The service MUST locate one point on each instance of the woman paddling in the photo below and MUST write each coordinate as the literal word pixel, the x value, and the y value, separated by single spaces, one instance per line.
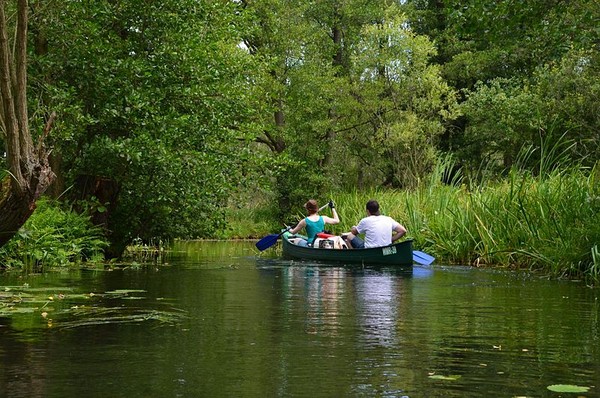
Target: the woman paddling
pixel 314 223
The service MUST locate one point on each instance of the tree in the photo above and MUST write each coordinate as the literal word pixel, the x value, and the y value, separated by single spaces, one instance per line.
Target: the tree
pixel 556 103
pixel 155 104
pixel 29 172
pixel 480 40
pixel 299 44
pixel 349 83
pixel 398 103
pixel 525 68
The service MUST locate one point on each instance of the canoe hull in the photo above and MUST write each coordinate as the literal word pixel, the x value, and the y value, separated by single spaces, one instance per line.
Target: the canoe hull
pixel 399 254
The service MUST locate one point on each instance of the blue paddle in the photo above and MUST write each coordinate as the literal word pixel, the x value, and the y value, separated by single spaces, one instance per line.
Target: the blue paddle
pixel 269 240
pixel 422 258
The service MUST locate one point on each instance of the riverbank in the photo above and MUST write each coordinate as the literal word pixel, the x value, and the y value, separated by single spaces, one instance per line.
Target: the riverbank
pixel 549 223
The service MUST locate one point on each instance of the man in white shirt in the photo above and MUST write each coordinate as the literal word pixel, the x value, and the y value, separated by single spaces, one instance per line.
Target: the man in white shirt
pixel 377 229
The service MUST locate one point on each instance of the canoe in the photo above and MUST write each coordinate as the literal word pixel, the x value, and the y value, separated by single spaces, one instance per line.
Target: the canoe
pixel 400 253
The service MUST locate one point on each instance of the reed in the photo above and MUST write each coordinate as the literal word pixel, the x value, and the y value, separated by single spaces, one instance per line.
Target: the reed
pixel 542 214
pixel 548 222
pixel 251 220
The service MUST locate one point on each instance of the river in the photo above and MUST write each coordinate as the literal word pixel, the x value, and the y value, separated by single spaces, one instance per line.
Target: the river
pixel 217 319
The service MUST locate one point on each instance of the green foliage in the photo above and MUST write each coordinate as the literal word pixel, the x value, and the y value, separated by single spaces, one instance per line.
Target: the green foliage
pixel 570 92
pixel 557 103
pixel 365 110
pixel 528 70
pixel 400 103
pixel 54 236
pixel 157 98
pixel 482 40
pixel 549 224
pixel 501 117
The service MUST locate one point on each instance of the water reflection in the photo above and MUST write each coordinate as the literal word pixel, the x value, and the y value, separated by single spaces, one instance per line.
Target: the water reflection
pixel 351 316
pixel 265 327
pixel 377 306
pixel 327 294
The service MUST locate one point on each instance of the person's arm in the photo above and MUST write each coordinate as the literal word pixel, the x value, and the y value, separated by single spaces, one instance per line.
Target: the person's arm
pixel 400 231
pixel 334 220
pixel 298 227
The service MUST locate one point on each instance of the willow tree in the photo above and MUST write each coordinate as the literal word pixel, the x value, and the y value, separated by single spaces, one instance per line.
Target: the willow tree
pixel 29 173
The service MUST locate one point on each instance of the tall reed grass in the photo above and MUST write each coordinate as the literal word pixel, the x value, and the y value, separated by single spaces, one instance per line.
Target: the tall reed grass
pixel 549 221
pixel 542 214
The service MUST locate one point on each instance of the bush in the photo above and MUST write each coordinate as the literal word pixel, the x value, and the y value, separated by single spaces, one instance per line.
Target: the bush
pixel 53 236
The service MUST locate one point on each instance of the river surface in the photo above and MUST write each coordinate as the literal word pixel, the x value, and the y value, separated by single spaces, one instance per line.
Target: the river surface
pixel 220 320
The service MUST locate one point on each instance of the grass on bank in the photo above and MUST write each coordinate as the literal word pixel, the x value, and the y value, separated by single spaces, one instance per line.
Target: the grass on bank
pixel 549 222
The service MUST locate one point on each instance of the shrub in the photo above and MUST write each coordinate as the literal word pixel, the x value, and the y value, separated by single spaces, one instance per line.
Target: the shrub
pixel 53 236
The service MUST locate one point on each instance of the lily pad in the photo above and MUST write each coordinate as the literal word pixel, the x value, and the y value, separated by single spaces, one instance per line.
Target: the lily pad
pixel 567 388
pixel 125 291
pixel 442 377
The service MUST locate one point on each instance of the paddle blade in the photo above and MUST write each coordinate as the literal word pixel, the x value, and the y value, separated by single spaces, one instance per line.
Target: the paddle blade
pixel 267 242
pixel 422 258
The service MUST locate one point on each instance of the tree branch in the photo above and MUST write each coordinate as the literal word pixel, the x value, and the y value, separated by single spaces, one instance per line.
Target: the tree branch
pixel 46 131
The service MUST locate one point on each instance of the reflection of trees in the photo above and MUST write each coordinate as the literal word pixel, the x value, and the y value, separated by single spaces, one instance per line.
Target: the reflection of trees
pixel 23 366
pixel 352 318
pixel 370 300
pixel 381 306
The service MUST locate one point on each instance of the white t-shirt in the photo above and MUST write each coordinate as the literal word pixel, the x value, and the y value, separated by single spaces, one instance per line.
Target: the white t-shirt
pixel 377 230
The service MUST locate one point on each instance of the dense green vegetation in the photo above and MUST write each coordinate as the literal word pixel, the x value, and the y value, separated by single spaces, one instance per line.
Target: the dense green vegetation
pixel 187 118
pixel 54 236
pixel 544 224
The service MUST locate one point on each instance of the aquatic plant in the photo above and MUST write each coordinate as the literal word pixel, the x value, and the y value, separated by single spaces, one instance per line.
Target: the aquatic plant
pixel 63 308
pixel 142 252
pixel 53 236
pixel 567 388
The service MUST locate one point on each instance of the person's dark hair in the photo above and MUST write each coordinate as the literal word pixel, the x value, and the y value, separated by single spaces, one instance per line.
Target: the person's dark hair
pixel 311 206
pixel 373 207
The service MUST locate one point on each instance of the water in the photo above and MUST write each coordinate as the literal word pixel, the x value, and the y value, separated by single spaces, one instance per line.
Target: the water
pixel 219 322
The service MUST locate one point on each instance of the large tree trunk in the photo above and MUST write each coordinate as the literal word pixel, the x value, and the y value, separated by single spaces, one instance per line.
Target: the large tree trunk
pixel 15 206
pixel 29 171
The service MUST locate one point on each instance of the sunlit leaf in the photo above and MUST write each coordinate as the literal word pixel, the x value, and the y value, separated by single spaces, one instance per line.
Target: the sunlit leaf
pixel 125 291
pixel 567 388
pixel 442 377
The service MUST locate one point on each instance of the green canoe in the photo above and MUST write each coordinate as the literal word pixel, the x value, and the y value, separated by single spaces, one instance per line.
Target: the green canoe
pixel 399 253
